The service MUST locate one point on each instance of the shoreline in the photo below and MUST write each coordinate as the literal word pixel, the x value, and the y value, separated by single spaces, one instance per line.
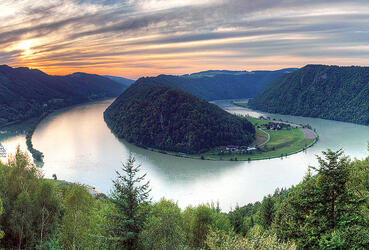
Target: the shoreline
pixel 234 157
pixel 35 121
pixel 196 157
pixel 202 157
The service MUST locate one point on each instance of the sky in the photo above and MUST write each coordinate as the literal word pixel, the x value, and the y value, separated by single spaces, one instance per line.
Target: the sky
pixel 134 38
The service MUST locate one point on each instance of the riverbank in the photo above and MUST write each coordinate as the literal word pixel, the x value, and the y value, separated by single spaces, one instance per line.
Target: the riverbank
pixel 28 127
pixel 289 140
pixel 37 155
pixel 300 145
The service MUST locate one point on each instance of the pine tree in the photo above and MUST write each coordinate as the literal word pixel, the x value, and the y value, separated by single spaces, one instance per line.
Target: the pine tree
pixel 332 179
pixel 267 211
pixel 131 198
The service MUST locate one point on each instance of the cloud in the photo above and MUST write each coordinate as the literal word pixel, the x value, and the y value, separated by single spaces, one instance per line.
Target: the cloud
pixel 147 36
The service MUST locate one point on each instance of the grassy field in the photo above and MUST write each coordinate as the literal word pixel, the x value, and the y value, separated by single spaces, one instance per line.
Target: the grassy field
pixel 260 137
pixel 281 144
pixel 256 121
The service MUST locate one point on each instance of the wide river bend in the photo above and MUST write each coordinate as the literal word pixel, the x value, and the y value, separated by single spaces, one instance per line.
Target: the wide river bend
pixel 79 147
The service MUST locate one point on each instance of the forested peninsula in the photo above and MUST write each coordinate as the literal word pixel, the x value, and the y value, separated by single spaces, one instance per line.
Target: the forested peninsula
pixel 156 116
pixel 329 92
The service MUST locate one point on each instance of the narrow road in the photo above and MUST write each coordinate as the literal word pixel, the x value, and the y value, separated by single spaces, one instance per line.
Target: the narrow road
pixel 308 133
pixel 266 140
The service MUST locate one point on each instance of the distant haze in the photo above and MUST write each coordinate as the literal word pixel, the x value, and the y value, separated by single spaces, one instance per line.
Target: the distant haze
pixel 134 38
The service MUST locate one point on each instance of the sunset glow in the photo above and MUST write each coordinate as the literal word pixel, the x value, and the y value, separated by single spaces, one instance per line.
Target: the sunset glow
pixel 150 37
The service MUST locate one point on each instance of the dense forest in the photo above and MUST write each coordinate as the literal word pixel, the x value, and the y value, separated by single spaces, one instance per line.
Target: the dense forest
pixel 327 210
pixel 329 92
pixel 221 84
pixel 165 118
pixel 27 93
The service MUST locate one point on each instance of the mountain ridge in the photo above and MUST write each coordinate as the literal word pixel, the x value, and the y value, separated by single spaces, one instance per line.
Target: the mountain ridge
pixel 26 93
pixel 324 91
pixel 216 85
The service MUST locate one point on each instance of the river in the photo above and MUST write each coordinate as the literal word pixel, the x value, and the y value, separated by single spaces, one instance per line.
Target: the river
pixel 79 147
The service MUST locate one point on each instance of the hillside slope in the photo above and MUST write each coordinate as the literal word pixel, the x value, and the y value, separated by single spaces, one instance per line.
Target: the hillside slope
pixel 162 117
pixel 27 93
pixel 221 84
pixel 124 81
pixel 330 92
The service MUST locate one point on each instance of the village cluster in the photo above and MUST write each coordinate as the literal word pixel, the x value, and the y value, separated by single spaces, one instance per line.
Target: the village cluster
pixel 271 125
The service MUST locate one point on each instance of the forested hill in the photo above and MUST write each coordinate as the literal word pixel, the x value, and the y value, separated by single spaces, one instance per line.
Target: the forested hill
pixel 162 117
pixel 330 92
pixel 222 84
pixel 124 81
pixel 27 93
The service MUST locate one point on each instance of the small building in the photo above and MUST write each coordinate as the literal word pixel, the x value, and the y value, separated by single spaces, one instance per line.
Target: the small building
pixel 273 126
pixel 232 148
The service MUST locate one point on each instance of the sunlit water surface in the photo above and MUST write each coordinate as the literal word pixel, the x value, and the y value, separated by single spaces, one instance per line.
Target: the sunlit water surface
pixel 79 147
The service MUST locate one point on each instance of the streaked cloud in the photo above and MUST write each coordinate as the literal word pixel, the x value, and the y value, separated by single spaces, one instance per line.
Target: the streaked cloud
pixel 133 38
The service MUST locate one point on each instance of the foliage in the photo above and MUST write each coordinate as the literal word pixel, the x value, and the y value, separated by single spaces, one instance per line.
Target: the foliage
pixel 76 224
pixel 322 210
pixel 161 117
pixel 267 211
pixel 41 214
pixel 130 197
pixel 200 220
pixel 37 155
pixel 256 239
pixel 164 227
pixel 330 92
pixel 18 189
pixel 327 210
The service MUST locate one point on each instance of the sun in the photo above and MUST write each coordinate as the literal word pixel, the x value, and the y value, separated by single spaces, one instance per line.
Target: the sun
pixel 25 46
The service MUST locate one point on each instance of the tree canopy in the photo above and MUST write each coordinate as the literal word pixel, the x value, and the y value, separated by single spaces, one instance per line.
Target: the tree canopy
pixel 162 117
pixel 327 210
pixel 329 92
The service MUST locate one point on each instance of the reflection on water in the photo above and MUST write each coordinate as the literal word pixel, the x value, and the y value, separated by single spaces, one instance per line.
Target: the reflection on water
pixel 13 136
pixel 79 147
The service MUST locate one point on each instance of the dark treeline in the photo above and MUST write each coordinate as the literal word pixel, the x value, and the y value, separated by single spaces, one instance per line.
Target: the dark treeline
pixel 221 84
pixel 27 93
pixel 327 210
pixel 329 92
pixel 37 155
pixel 166 118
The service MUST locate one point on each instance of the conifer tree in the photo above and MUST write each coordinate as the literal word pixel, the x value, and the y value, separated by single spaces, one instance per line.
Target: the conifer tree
pixel 267 211
pixel 331 181
pixel 130 196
